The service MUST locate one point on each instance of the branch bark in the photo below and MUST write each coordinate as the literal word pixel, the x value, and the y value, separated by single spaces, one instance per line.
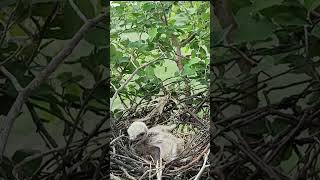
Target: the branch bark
pixel 41 77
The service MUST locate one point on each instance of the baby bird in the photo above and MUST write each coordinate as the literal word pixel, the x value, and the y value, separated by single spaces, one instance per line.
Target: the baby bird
pixel 158 136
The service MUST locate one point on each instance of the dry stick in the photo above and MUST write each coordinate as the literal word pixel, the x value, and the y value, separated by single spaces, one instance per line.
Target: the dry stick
pixel 40 127
pixel 42 76
pixel 46 153
pixel 254 158
pixel 287 138
pixel 192 162
pixel 203 166
pixel 129 79
pixel 127 174
pixel 114 177
pixel 98 168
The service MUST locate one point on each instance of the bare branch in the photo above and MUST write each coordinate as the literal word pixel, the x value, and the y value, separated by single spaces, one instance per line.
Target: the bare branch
pixel 203 166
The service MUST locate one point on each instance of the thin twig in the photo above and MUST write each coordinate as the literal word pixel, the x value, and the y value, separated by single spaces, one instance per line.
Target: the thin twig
pixel 78 11
pixel 127 174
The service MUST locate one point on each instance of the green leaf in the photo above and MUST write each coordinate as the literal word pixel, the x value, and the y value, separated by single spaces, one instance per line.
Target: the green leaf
pixel 42 9
pixel 310 5
pixel 251 29
pixel 292 59
pixel 314 98
pixel 97 37
pixel 181 20
pixel 152 33
pixel 278 125
pixel 64 76
pixel 283 155
pixel 95 105
pixel 6 167
pixel 44 115
pixel 289 19
pixel 193 61
pixel 73 89
pixel 254 31
pixel 30 167
pixel 287 14
pixel 291 162
pixel 66 25
pixel 55 108
pixel 147 6
pixel 265 64
pixel 262 4
pixel 316 31
pixel 237 5
pixel 188 70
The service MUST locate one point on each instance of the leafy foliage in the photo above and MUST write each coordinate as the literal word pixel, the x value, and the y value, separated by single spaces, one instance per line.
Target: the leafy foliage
pixel 265 78
pixel 143 31
pixel 32 36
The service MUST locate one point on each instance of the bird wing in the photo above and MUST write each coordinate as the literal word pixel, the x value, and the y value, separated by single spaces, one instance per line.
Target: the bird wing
pixel 162 128
pixel 153 138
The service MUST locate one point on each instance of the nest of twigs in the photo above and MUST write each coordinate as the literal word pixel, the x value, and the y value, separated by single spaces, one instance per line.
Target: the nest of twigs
pixel 191 163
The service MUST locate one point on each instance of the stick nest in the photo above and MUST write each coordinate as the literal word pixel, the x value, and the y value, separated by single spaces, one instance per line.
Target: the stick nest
pixel 194 130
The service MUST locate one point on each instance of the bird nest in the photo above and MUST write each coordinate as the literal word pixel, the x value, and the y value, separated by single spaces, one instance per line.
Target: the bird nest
pixel 192 127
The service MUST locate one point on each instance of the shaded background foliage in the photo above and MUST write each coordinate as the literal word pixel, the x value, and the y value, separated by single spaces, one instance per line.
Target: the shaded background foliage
pixel 265 89
pixel 69 109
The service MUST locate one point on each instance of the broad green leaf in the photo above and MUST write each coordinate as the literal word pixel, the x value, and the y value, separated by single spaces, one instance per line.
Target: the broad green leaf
pixel 265 64
pixel 95 105
pixel 152 33
pixel 42 9
pixel 262 4
pixel 17 31
pixel 64 76
pixel 316 31
pixel 44 115
pixel 66 25
pixel 181 20
pixel 314 98
pixel 254 31
pixel 277 126
pixel 289 19
pixel 194 61
pixel 6 167
pixel 290 163
pixel 310 5
pixel 236 4
pixel 97 37
pixel 73 89
pixel 30 167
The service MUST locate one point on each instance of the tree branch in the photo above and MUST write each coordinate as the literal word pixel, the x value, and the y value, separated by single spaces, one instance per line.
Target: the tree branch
pixel 42 76
pixel 129 79
pixel 188 39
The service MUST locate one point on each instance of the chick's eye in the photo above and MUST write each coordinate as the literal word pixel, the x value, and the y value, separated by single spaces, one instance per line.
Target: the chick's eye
pixel 140 135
